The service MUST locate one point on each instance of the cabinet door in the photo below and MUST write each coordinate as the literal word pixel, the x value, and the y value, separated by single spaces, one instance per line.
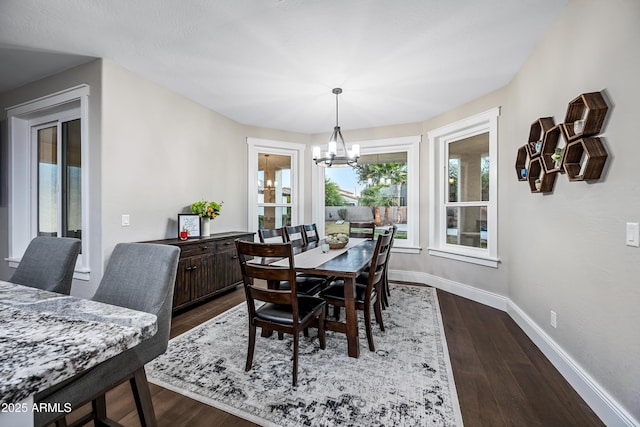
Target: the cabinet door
pixel 182 290
pixel 228 271
pixel 203 276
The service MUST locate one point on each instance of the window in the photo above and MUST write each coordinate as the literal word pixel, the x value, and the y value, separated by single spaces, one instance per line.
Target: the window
pixel 48 138
pixel 275 187
pixel 463 194
pixel 384 187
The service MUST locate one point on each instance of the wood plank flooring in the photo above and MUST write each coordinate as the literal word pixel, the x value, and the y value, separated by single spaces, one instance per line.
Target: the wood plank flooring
pixel 502 378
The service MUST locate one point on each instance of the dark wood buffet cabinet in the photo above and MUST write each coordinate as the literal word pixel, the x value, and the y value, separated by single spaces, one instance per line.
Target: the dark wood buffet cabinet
pixel 207 266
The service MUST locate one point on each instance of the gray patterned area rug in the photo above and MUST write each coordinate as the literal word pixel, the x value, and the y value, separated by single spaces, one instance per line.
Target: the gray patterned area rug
pixel 407 381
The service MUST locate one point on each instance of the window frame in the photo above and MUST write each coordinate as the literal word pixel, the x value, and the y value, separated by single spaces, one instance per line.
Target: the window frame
pixel 72 102
pixel 409 144
pixel 439 140
pixel 297 153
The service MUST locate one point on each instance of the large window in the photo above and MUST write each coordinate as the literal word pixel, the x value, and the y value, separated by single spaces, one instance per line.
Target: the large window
pixel 463 194
pixel 275 188
pixel 384 188
pixel 48 192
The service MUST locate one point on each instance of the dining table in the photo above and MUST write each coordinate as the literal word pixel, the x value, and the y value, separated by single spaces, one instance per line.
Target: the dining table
pixel 345 263
pixel 47 338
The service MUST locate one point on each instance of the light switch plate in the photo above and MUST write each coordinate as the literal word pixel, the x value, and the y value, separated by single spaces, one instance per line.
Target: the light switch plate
pixel 633 234
pixel 126 220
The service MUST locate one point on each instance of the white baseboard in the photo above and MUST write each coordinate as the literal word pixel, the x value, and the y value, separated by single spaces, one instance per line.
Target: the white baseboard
pixel 600 401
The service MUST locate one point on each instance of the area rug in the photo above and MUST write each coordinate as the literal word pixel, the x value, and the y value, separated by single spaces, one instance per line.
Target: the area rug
pixel 407 381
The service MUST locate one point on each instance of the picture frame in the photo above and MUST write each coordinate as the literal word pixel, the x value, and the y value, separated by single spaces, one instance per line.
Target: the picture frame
pixel 189 222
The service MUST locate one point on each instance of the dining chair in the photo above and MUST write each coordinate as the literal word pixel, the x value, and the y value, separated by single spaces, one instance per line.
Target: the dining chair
pixel 311 233
pixel 139 276
pixel 272 235
pixel 296 235
pixel 386 293
pixel 366 294
pixel 48 263
pixel 308 284
pixel 363 230
pixel 283 310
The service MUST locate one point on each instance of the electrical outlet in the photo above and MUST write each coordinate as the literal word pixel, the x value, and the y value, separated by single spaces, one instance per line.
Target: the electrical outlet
pixel 126 220
pixel 553 319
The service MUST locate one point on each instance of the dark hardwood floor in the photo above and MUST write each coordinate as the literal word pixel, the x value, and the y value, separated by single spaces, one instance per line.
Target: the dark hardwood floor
pixel 501 377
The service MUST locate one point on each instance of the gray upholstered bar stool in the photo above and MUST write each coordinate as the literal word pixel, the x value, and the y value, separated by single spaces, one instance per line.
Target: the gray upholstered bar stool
pixel 48 264
pixel 139 276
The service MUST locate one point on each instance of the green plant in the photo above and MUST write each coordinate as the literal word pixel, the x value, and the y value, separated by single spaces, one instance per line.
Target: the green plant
pixel 205 209
pixel 557 154
pixel 342 213
pixel 538 181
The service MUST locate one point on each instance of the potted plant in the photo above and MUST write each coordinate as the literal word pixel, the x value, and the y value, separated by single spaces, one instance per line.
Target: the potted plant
pixel 538 184
pixel 557 157
pixel 206 211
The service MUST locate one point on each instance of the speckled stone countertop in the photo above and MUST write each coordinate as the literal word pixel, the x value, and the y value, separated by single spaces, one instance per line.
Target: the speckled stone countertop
pixel 46 338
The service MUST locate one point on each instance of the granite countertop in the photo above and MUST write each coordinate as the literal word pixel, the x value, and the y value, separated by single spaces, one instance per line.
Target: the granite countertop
pixel 46 338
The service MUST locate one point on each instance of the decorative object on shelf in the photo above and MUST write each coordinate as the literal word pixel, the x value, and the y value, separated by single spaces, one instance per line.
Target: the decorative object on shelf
pixel 206 211
pixel 337 241
pixel 189 224
pixel 331 157
pixel 538 184
pixel 578 126
pixel 523 173
pixel 557 157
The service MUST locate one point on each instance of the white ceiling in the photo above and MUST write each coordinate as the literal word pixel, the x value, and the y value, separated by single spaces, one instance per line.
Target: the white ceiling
pixel 273 63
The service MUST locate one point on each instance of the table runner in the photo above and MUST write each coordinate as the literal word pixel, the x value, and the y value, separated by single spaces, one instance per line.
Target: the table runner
pixel 315 257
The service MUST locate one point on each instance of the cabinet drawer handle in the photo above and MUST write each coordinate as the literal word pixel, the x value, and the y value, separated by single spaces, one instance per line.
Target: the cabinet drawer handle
pixel 188 268
pixel 227 243
pixel 204 248
pixel 234 257
pixel 195 267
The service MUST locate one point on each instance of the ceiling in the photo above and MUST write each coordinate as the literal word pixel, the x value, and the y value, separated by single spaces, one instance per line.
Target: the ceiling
pixel 273 63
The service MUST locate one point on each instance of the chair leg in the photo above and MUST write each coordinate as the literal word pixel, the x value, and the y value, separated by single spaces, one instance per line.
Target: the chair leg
pixel 99 407
pixel 296 339
pixel 321 334
pixel 378 311
pixel 142 397
pixel 252 345
pixel 367 321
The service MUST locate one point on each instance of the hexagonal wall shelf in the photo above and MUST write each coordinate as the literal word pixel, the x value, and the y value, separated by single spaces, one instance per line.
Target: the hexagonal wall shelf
pixel 584 159
pixel 585 116
pixel 522 160
pixel 536 135
pixel 536 171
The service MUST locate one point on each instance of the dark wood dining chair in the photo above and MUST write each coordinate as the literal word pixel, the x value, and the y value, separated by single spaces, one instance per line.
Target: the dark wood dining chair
pixel 386 293
pixel 311 233
pixel 366 294
pixel 272 235
pixel 363 230
pixel 48 263
pixel 308 284
pixel 296 235
pixel 283 310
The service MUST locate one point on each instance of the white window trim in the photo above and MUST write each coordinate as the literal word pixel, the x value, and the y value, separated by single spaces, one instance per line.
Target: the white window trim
pixel 410 144
pixel 297 153
pixel 438 142
pixel 21 226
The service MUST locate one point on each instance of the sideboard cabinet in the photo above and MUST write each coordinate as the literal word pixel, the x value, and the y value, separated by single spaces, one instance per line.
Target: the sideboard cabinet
pixel 207 266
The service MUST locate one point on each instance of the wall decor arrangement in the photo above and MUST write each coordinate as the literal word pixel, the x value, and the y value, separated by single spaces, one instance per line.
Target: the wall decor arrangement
pixel 571 147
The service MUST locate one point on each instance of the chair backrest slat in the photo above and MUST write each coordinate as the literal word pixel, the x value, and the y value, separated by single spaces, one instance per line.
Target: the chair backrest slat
pixel 379 259
pixel 363 230
pixel 311 233
pixel 272 235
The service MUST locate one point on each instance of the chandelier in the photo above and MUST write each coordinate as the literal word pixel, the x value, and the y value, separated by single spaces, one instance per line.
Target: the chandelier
pixel 331 157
